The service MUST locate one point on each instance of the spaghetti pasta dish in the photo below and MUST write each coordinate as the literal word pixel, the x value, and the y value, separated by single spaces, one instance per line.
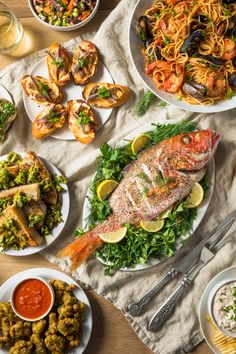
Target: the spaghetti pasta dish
pixel 190 48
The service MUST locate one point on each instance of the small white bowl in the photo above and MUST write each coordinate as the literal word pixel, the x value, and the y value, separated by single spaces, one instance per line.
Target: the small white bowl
pixel 210 305
pixel 40 317
pixel 61 28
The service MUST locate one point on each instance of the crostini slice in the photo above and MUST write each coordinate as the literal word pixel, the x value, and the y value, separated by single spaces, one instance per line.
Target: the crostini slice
pixel 106 95
pixel 82 121
pixel 49 120
pixel 84 62
pixel 41 90
pixel 58 64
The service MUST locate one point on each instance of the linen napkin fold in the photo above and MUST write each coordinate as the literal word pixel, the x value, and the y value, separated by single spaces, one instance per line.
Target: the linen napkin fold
pixel 78 164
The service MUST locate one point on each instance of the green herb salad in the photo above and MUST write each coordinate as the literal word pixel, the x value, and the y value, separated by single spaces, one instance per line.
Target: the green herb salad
pixel 30 207
pixel 139 245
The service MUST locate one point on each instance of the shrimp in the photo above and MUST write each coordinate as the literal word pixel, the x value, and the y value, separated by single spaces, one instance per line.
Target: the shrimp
pixel 170 76
pixel 171 28
pixel 229 49
pixel 216 84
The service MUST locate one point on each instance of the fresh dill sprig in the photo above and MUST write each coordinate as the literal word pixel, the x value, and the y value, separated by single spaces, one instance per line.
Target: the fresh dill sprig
pixel 145 102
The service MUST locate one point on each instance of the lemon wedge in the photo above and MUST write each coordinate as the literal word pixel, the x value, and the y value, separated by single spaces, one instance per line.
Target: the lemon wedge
pixel 115 236
pixel 153 225
pixel 139 142
pixel 105 188
pixel 195 197
pixel 165 213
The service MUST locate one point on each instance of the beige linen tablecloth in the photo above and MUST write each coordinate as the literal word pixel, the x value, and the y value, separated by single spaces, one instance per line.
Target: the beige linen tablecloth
pixel 181 333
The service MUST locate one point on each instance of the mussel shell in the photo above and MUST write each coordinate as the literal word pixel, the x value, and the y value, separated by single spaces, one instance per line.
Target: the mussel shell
pixel 195 90
pixel 232 80
pixel 232 32
pixel 211 59
pixel 191 43
pixel 144 29
pixel 157 54
pixel 229 1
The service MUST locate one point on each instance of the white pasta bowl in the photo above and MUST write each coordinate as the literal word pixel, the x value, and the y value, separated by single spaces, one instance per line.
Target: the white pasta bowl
pixel 61 28
pixel 135 48
pixel 211 301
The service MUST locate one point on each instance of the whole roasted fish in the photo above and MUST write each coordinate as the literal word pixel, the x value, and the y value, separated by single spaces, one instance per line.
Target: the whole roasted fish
pixel 162 175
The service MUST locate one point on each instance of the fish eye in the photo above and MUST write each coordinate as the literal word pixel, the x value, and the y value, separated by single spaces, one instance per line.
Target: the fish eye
pixel 186 139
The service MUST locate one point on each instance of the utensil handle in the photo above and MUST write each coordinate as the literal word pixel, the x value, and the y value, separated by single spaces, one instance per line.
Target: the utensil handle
pixel 168 307
pixel 136 308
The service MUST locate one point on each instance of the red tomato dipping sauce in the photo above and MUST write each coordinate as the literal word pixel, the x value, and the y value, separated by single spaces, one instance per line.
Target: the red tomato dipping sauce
pixel 32 299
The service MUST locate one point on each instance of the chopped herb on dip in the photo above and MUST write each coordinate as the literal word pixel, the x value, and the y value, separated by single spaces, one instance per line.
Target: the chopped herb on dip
pixel 224 307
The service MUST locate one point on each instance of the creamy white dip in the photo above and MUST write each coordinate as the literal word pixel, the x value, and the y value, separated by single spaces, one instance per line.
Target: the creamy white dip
pixel 224 307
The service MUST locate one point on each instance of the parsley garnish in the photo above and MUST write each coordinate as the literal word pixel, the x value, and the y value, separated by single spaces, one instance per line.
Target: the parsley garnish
pixel 58 62
pixel 43 88
pixel 103 92
pixel 82 62
pixel 52 117
pixel 83 118
pixel 226 12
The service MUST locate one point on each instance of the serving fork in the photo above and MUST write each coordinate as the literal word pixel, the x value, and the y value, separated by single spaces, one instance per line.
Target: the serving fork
pixel 208 252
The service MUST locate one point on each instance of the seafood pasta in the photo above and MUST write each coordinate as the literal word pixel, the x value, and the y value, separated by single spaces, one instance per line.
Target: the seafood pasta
pixel 190 48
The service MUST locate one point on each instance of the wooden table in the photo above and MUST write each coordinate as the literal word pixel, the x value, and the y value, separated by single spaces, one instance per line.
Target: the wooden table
pixel 111 332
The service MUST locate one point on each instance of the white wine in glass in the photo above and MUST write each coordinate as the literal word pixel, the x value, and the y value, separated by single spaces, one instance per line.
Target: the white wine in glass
pixel 11 30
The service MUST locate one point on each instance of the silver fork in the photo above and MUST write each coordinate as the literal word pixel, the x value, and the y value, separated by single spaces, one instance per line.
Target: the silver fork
pixel 207 253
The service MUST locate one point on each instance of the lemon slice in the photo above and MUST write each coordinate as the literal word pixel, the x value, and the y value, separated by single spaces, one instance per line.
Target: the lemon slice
pixel 165 213
pixel 152 226
pixel 139 142
pixel 195 197
pixel 105 188
pixel 114 237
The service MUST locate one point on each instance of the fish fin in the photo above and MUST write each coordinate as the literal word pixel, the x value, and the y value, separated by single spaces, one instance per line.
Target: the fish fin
pixel 79 250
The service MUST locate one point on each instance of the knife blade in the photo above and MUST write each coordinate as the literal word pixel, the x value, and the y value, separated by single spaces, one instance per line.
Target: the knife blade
pixel 207 254
pixel 181 266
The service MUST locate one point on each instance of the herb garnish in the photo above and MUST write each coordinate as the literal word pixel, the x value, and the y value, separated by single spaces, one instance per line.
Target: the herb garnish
pixel 82 62
pixel 83 118
pixel 103 92
pixel 43 88
pixel 52 117
pixel 146 101
pixel 58 62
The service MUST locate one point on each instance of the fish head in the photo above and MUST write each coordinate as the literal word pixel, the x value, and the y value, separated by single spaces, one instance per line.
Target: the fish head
pixel 191 151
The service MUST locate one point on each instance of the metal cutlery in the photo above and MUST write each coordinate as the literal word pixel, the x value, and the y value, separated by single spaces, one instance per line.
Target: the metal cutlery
pixel 207 253
pixel 181 266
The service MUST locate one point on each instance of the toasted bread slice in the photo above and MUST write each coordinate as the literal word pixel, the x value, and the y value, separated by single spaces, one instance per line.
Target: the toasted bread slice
pixel 30 190
pixel 32 236
pixel 58 63
pixel 31 159
pixel 81 120
pixel 106 95
pixel 36 209
pixel 84 63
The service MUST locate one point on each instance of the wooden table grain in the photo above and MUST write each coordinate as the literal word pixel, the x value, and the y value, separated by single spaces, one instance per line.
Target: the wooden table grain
pixel 111 332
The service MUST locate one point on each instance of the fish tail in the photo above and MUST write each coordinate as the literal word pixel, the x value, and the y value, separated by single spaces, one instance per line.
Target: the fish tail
pixel 79 250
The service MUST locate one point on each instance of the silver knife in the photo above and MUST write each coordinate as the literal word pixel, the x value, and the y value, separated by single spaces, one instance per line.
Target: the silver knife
pixel 182 266
pixel 207 253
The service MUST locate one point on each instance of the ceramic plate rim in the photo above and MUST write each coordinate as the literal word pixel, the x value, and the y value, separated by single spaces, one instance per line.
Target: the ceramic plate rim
pixel 201 211
pixel 65 201
pixel 28 102
pixel 165 96
pixel 49 273
pixel 203 305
